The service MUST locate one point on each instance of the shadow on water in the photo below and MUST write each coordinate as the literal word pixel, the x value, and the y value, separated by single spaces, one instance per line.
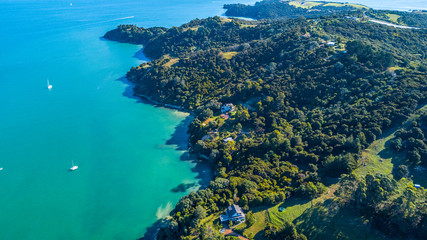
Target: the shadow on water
pixel 151 232
pixel 179 139
pixel 141 56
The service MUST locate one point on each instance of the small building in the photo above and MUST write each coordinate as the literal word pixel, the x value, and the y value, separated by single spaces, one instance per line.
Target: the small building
pixel 281 209
pixel 351 17
pixel 417 185
pixel 306 35
pixel 233 213
pixel 331 44
pixel 229 107
pixel 228 139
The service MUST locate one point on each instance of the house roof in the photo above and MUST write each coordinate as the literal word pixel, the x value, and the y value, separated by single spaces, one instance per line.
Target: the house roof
pixel 233 209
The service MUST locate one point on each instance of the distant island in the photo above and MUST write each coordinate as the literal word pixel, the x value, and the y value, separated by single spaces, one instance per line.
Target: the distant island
pixel 313 117
pixel 277 9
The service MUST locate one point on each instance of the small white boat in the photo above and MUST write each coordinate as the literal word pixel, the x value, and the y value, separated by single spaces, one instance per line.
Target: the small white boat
pixel 1 169
pixel 74 167
pixel 49 86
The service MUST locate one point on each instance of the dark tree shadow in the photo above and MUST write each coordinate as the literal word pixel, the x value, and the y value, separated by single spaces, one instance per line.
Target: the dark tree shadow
pixel 151 232
pixel 329 220
pixel 397 158
pixel 293 201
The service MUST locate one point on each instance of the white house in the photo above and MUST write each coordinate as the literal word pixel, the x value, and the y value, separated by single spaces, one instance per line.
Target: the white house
pixel 330 44
pixel 229 107
pixel 233 213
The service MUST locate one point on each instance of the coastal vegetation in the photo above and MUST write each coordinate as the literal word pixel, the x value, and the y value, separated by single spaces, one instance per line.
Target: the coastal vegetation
pixel 317 103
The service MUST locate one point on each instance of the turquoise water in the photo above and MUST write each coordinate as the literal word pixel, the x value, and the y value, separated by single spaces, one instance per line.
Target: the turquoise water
pixel 126 168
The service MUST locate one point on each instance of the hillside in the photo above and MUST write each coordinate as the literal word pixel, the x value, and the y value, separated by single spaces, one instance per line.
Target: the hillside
pixel 308 97
pixel 277 9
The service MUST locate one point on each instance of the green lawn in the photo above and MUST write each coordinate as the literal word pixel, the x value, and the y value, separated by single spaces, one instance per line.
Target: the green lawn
pixel 305 5
pixel 254 231
pixel 293 209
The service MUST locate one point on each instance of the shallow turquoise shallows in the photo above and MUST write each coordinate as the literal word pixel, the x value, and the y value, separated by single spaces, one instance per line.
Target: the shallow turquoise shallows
pixel 126 168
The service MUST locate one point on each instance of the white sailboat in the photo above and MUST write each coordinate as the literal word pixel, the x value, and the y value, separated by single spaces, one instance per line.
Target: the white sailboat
pixel 1 169
pixel 74 167
pixel 49 86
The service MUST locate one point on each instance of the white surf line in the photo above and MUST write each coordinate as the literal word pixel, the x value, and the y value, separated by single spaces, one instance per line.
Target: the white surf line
pixel 94 23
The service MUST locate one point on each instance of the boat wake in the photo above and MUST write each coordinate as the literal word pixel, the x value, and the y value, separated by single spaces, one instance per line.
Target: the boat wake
pixel 111 20
pixel 105 21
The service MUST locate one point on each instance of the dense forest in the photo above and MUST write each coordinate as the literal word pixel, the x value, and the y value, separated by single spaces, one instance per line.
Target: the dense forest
pixel 309 96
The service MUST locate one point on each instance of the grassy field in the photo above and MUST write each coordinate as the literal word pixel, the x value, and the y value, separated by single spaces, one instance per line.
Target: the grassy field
pixel 323 218
pixel 228 55
pixel 327 220
pixel 302 4
pixel 171 62
pixel 378 158
pixel 358 6
pixel 393 17
pixel 308 5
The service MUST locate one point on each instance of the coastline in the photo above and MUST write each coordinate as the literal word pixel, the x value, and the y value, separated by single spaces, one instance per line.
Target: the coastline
pixel 180 139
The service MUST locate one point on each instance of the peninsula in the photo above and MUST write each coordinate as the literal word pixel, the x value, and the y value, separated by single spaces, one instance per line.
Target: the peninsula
pixel 313 117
